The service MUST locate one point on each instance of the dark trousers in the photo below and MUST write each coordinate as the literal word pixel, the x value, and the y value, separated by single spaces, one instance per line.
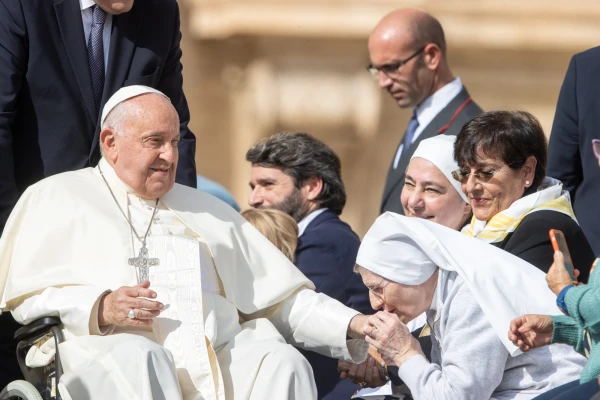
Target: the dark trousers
pixel 572 391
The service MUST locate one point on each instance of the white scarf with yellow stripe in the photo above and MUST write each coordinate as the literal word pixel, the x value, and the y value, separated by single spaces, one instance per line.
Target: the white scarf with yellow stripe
pixel 549 197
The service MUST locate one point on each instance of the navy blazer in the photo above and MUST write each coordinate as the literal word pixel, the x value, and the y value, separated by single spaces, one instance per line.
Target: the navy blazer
pixel 48 120
pixel 570 156
pixel 326 254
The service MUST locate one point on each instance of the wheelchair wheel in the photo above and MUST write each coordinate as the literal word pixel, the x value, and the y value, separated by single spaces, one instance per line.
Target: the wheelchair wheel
pixel 20 390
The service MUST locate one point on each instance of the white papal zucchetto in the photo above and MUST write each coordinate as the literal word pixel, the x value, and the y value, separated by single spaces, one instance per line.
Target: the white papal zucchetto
pixel 126 93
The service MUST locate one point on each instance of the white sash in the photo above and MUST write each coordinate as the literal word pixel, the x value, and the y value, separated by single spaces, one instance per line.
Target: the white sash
pixel 181 327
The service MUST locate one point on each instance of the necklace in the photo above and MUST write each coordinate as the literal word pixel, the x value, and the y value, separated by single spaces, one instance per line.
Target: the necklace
pixel 142 262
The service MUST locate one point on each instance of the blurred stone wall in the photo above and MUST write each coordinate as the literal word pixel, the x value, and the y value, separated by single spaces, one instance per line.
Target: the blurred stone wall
pixel 255 67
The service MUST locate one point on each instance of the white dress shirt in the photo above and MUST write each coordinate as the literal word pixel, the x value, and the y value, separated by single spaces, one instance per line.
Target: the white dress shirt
pixel 308 219
pixel 87 19
pixel 430 108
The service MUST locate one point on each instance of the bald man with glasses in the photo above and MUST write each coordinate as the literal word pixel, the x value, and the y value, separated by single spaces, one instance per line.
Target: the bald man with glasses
pixel 408 59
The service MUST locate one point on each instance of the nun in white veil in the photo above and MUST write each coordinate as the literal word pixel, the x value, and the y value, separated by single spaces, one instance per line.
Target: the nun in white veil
pixel 429 190
pixel 470 292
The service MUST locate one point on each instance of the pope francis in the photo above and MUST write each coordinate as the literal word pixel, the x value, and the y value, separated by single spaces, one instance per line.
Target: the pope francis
pixel 164 292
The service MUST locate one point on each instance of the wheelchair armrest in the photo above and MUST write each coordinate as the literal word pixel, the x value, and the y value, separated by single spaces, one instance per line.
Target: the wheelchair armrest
pixel 37 326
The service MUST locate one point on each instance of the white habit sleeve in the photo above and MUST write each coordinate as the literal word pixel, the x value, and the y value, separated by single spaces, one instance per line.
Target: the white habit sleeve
pixel 316 322
pixel 77 307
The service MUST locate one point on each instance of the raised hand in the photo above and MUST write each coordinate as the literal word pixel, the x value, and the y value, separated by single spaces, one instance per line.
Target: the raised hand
pixel 558 277
pixel 114 308
pixel 530 331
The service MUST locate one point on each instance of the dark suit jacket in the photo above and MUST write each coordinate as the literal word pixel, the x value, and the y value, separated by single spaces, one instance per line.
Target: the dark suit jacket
pixel 531 242
pixel 48 121
pixel 570 156
pixel 326 254
pixel 395 177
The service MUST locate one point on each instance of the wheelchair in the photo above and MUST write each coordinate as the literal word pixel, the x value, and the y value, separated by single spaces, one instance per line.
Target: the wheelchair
pixel 40 383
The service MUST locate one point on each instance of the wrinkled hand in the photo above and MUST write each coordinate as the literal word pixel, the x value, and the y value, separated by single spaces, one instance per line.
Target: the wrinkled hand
pixel 115 306
pixel 367 374
pixel 530 331
pixel 558 277
pixel 391 338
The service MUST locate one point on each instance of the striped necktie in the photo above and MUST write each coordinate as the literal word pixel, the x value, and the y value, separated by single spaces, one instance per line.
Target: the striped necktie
pixel 96 54
pixel 410 132
pixel 408 138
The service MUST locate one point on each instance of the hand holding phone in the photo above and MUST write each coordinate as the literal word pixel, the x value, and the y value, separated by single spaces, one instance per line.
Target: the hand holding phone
pixel 559 243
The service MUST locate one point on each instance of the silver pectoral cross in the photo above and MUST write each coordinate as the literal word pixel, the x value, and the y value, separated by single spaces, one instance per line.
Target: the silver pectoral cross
pixel 142 262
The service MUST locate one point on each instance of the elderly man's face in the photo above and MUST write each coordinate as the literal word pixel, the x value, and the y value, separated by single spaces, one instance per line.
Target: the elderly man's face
pixel 115 7
pixel 407 302
pixel 272 188
pixel 428 194
pixel 145 154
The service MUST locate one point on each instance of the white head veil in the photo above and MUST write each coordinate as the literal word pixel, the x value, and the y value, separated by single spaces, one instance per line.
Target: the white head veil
pixel 439 150
pixel 409 250
pixel 126 93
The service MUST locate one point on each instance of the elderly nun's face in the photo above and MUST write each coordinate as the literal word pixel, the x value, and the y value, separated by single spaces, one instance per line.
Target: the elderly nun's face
pixel 142 147
pixel 428 194
pixel 407 302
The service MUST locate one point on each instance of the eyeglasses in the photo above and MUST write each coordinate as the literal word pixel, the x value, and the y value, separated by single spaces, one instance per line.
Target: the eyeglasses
pixel 379 291
pixel 481 176
pixel 596 147
pixel 390 69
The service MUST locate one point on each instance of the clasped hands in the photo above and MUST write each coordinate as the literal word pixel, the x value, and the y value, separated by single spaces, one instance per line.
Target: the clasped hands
pixel 114 307
pixel 391 339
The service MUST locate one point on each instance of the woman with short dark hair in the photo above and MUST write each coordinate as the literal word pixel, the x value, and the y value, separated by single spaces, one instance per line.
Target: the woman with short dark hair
pixel 502 166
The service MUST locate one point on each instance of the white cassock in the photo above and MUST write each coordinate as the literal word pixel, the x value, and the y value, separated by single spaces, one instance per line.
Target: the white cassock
pixel 233 301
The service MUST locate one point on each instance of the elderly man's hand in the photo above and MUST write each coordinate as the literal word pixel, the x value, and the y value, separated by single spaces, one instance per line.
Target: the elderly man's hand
pixel 366 374
pixel 530 331
pixel 114 308
pixel 558 277
pixel 356 325
pixel 391 338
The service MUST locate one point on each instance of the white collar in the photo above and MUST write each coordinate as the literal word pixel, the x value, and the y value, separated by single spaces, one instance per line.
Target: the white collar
pixel 308 219
pixel 85 4
pixel 112 178
pixel 434 104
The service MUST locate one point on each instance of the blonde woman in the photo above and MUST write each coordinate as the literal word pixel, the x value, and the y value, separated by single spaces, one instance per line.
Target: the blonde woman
pixel 277 226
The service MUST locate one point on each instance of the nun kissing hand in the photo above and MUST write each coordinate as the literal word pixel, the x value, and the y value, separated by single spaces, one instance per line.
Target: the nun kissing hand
pixel 391 338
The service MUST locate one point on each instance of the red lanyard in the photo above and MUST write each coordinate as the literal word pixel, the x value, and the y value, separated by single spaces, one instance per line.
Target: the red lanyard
pixel 458 110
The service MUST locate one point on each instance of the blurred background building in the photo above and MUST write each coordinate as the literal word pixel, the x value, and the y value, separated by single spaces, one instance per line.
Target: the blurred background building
pixel 255 67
